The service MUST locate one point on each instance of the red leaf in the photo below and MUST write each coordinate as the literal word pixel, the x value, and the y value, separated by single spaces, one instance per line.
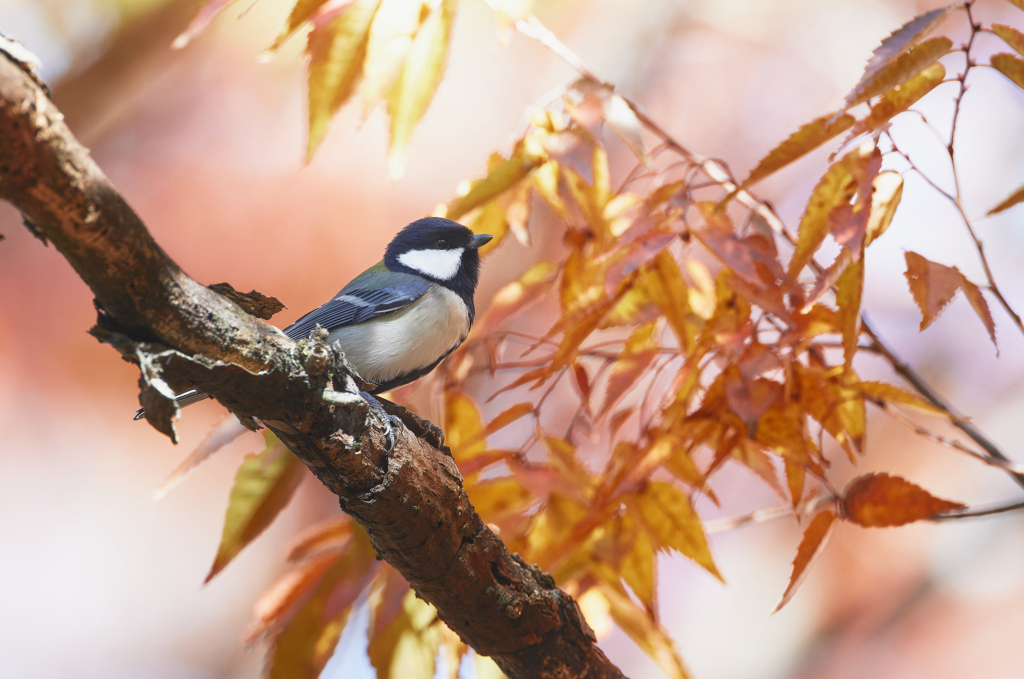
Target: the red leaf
pixel 880 500
pixel 932 285
pixel 815 536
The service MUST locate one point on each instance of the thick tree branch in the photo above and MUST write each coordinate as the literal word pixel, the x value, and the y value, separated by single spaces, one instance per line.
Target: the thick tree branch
pixel 411 502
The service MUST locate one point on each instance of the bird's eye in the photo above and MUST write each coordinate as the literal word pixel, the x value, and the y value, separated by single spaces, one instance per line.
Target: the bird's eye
pixel 441 244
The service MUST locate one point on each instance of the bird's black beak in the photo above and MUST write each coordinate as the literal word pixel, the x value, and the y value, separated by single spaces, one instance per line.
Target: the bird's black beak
pixel 480 240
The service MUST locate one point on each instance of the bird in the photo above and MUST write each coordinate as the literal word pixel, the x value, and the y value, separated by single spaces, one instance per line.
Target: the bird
pixel 400 318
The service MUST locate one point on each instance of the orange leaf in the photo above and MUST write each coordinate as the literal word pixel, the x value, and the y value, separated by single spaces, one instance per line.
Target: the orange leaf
pixel 880 500
pixel 893 72
pixel 889 393
pixel 331 535
pixel 803 141
pixel 631 364
pixel 645 632
pixel 1010 66
pixel 464 429
pixel 281 600
pixel 815 536
pixel 216 439
pixel 899 100
pixel 932 285
pixel 977 300
pixel 506 175
pixel 1014 198
pixel 302 11
pixel 263 486
pixel 507 417
pixel 306 643
pixel 795 475
pixel 517 295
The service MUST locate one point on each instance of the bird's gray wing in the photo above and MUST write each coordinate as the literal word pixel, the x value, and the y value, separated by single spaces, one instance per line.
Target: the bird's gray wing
pixel 360 301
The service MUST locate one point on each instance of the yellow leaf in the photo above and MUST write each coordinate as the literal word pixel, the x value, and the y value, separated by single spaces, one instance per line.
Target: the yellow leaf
pixel 336 49
pixel 488 669
pixel 901 98
pixel 815 536
pixel 464 429
pixel 836 187
pixel 263 486
pixel 391 37
pixel 645 632
pixel 784 431
pixel 562 455
pixel 411 93
pixel 1010 66
pixel 665 286
pixel 898 70
pixel 549 536
pixel 1014 198
pixel 888 190
pixel 631 364
pixel 302 11
pixel 803 141
pixel 639 564
pixel 517 295
pixel 407 647
pixel 1011 36
pixel 490 219
pixel 307 642
pixel 795 475
pixel 497 499
pixel 889 393
pixel 669 517
pixel 502 178
pixel 849 289
pixel 547 182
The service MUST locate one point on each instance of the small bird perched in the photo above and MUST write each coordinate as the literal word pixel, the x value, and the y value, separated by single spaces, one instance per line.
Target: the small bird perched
pixel 400 318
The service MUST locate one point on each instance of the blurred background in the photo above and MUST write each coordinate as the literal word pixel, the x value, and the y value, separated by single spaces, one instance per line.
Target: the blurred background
pixel 99 580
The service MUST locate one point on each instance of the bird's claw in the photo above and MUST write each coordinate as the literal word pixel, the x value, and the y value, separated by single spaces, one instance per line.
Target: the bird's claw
pixel 389 422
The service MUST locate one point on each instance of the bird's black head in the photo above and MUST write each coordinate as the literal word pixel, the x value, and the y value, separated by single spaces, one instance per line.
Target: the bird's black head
pixel 440 250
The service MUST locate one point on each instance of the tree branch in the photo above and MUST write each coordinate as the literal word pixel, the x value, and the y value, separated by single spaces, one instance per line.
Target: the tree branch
pixel 181 333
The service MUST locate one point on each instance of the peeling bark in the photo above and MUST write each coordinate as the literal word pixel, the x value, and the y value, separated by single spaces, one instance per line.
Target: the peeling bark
pixel 183 334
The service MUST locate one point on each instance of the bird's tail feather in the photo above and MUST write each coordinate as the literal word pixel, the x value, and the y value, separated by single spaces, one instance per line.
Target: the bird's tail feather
pixel 185 399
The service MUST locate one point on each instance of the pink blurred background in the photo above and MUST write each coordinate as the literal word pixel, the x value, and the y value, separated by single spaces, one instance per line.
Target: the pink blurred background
pixel 99 580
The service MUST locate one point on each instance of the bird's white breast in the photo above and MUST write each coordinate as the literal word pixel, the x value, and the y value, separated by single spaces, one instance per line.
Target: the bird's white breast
pixel 407 340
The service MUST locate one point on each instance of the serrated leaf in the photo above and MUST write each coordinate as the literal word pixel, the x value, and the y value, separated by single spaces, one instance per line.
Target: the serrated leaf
pixel 407 647
pixel 665 511
pixel 639 564
pixel 504 177
pixel 337 51
pixel 900 99
pixel 815 536
pixel 809 137
pixel 897 71
pixel 281 600
pixel 849 290
pixel 902 39
pixel 881 500
pixel 932 285
pixel 411 93
pixel 1014 198
pixel 1011 36
pixel 303 647
pixel 1010 66
pixel 645 632
pixel 218 438
pixel 980 306
pixel 391 37
pixel 263 486
pixel 302 11
pixel 890 393
pixel 631 364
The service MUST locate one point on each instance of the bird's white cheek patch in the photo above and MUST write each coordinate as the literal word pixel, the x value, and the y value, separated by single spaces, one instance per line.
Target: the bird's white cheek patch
pixel 440 264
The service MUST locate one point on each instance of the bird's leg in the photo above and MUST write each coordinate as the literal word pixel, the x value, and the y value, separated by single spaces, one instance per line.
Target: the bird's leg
pixel 382 416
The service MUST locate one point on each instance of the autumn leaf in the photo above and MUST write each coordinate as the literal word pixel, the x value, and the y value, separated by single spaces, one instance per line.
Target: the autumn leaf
pixel 500 498
pixel 518 295
pixel 891 56
pixel 302 12
pixel 391 37
pixel 631 363
pixel 218 438
pixel 665 511
pixel 1010 66
pixel 263 486
pixel 414 88
pixel 887 191
pixel 407 647
pixel 849 289
pixel 815 536
pixel 331 535
pixel 803 141
pixel 280 602
pixel 1014 198
pixel 490 219
pixel 639 564
pixel 1011 36
pixel 505 175
pixel 881 500
pixel 622 119
pixel 889 393
pixel 795 477
pixel 464 429
pixel 302 648
pixel 337 50
pixel 900 99
pixel 934 285
pixel 645 632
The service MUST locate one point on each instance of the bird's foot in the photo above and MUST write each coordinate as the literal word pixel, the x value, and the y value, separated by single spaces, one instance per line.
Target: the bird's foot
pixel 389 422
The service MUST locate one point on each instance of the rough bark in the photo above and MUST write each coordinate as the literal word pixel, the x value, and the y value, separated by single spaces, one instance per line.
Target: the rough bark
pixel 181 333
